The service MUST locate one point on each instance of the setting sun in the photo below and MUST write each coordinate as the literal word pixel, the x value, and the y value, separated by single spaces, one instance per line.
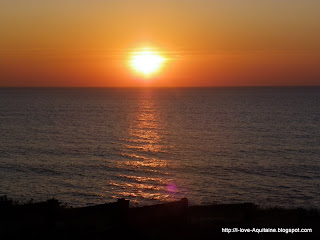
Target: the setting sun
pixel 146 62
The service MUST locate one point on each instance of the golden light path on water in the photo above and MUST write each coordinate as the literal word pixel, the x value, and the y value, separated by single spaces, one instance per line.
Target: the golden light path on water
pixel 146 175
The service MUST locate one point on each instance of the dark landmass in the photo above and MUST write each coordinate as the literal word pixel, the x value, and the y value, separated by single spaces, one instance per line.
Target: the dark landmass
pixel 174 220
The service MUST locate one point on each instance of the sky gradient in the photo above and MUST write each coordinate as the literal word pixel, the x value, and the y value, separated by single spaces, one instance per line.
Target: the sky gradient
pixel 79 43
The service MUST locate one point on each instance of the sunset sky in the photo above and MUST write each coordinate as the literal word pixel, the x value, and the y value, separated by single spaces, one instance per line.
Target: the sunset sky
pixel 88 43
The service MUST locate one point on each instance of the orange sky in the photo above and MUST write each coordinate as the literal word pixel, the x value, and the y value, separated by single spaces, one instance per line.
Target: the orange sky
pixel 206 42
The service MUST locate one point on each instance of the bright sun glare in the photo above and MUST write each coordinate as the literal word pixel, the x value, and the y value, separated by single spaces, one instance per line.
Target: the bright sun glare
pixel 146 62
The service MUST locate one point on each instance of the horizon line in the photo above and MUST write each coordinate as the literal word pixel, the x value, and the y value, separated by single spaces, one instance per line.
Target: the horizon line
pixel 222 86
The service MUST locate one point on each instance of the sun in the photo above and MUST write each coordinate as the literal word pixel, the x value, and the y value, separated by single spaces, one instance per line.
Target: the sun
pixel 146 61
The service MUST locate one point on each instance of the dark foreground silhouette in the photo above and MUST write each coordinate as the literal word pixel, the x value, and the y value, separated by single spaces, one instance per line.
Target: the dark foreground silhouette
pixel 175 220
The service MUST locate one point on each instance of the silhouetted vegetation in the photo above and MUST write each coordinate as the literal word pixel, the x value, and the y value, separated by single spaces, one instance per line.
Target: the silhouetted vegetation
pixel 175 220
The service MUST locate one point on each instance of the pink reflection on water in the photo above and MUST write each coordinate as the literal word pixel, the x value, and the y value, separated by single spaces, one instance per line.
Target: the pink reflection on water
pixel 172 188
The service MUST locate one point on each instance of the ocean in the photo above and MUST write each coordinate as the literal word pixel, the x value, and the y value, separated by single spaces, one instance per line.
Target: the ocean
pixel 86 146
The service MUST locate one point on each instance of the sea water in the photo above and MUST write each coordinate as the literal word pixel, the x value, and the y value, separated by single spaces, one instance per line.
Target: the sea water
pixel 88 146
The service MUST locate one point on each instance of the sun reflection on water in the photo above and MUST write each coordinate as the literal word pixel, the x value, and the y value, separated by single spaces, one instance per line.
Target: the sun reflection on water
pixel 146 171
